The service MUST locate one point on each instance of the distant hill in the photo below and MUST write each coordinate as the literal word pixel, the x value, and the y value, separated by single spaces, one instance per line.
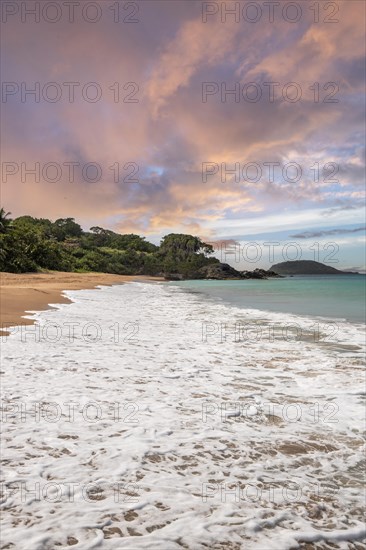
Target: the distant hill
pixel 306 267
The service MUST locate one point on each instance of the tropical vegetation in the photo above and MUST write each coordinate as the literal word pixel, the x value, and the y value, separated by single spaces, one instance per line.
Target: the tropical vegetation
pixel 29 244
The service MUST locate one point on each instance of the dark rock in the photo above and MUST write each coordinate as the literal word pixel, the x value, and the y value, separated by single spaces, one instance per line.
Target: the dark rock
pixel 259 274
pixel 173 276
pixel 219 271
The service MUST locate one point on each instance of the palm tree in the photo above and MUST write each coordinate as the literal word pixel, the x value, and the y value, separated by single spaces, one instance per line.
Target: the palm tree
pixel 5 221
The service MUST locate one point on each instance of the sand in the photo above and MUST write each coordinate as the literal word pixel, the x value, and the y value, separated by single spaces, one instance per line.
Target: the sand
pixel 21 293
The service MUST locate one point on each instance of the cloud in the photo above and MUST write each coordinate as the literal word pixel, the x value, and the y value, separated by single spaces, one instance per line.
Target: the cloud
pixel 169 54
pixel 338 209
pixel 195 44
pixel 339 231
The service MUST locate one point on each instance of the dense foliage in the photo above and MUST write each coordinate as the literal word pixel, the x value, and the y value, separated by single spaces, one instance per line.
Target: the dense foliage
pixel 32 244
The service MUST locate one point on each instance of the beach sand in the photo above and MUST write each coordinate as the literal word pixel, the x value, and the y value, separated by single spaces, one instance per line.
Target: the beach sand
pixel 24 292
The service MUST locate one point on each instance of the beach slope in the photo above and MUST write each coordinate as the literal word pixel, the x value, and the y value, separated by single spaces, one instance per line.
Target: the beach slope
pixel 20 293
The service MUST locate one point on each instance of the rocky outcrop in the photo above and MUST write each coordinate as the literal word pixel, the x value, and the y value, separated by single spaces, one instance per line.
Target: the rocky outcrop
pixel 259 274
pixel 219 271
pixel 173 276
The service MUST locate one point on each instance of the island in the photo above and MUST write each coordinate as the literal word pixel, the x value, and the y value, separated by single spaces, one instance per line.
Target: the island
pixel 307 267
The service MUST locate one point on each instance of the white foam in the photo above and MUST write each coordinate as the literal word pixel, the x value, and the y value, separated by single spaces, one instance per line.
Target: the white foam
pixel 191 441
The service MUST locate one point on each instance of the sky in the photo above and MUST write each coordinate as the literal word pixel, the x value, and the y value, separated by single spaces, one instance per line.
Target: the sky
pixel 239 122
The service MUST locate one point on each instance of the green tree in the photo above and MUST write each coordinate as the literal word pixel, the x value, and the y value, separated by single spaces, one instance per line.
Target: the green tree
pixel 66 227
pixel 184 254
pixel 5 221
pixel 101 237
pixel 181 247
pixel 39 243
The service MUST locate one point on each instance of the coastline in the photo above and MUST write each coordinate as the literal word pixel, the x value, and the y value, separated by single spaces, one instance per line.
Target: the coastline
pixel 258 414
pixel 23 292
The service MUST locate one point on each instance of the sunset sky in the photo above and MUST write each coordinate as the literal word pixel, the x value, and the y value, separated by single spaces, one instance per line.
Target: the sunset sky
pixel 172 131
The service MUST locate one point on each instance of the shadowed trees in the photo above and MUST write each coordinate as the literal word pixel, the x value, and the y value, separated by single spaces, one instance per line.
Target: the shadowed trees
pixel 62 245
pixel 5 221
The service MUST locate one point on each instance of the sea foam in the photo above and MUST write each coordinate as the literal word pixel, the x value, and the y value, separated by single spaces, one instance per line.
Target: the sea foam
pixel 142 416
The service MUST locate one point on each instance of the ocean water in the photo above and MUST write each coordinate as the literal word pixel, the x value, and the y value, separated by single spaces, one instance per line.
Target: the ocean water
pixel 328 296
pixel 159 416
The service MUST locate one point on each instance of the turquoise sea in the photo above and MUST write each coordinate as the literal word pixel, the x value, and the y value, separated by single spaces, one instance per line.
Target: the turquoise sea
pixel 327 296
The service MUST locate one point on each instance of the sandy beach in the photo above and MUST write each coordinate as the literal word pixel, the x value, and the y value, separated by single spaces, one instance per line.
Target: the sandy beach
pixel 24 292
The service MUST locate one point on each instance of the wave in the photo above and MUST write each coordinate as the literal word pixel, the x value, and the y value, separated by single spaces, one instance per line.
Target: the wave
pixel 144 416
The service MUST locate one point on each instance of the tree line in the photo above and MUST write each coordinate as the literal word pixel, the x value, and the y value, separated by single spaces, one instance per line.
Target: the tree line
pixel 29 244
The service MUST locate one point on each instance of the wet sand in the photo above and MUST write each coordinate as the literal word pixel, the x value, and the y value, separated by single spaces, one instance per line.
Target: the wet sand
pixel 21 293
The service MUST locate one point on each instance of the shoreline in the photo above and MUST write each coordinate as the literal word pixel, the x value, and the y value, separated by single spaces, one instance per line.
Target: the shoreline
pixel 75 397
pixel 24 292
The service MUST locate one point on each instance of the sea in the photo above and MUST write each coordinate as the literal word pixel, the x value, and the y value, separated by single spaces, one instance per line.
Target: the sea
pixel 340 297
pixel 189 415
